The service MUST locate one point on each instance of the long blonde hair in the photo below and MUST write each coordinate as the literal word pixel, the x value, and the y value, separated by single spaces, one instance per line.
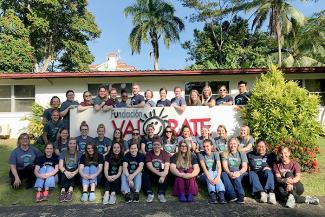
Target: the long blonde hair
pixel 191 102
pixel 226 153
pixel 204 100
pixel 186 159
pixel 248 133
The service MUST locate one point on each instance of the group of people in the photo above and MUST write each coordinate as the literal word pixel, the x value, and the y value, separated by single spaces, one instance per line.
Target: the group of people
pixel 223 163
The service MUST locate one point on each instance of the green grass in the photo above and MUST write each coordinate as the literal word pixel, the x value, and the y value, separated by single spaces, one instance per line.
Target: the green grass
pixel 314 182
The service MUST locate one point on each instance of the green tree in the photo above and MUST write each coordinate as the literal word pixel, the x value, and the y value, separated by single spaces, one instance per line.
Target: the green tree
pixel 239 48
pixel 58 31
pixel 153 19
pixel 16 54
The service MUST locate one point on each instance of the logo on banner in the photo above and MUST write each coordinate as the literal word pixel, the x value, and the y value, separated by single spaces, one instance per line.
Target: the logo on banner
pixel 158 121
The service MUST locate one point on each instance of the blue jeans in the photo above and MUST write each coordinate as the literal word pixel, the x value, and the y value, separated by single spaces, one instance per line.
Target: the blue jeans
pixel 234 187
pixel 257 178
pixel 48 182
pixel 215 188
pixel 89 170
pixel 137 183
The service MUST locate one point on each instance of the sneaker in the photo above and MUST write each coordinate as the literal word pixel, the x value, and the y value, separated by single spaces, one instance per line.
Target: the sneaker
pixel 312 200
pixel 128 198
pixel 263 198
pixel 221 197
pixel 182 198
pixel 240 200
pixel 150 198
pixel 112 199
pixel 161 198
pixel 45 195
pixel 92 196
pixel 84 197
pixel 68 196
pixel 271 198
pixel 39 196
pixel 233 199
pixel 62 197
pixel 136 197
pixel 291 202
pixel 212 197
pixel 106 198
pixel 190 198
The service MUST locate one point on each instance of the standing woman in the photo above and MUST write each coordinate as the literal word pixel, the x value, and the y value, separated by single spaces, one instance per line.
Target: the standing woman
pixel 68 165
pixel 288 186
pixel 246 141
pixel 133 163
pixel 207 98
pixel 221 140
pixel 234 163
pixel 51 128
pixel 55 104
pixel 169 141
pixel 148 99
pixel 163 101
pixel 261 178
pixel 87 103
pixel 112 171
pixel 224 98
pixel 102 143
pixel 70 103
pixel 194 99
pixel 46 169
pixel 186 134
pixel 90 168
pixel 83 139
pixel 146 142
pixel 118 137
pixel 61 143
pixel 22 162
pixel 211 166
pixel 185 167
pixel 205 134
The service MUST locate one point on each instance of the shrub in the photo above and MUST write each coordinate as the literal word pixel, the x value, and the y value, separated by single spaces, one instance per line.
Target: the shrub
pixel 282 113
pixel 35 126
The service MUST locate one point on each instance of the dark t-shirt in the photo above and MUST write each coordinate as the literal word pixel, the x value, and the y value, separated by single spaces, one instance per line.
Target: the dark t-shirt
pixel 44 161
pixel 235 160
pixel 71 164
pixel 211 98
pixel 111 102
pixel 242 99
pixel 48 114
pixel 121 104
pixel 114 165
pixel 137 99
pixel 210 161
pixel 91 162
pixel 281 168
pixel 178 101
pixel 158 162
pixel 22 158
pixel 173 160
pixel 52 130
pixel 132 141
pixel 257 162
pixel 148 143
pixel 220 101
pixel 66 118
pixel 102 146
pixel 165 103
pixel 133 162
pixel 82 143
pixel 60 146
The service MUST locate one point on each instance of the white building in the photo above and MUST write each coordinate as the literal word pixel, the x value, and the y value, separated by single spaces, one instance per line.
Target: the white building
pixel 19 90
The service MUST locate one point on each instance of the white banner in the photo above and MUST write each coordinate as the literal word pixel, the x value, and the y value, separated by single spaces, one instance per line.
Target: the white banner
pixel 128 119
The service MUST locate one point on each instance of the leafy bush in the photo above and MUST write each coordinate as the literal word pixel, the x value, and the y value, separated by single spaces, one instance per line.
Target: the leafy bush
pixel 282 113
pixel 35 126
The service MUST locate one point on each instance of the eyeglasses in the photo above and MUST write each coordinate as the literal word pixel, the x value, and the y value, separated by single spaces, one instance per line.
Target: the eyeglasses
pixel 135 134
pixel 84 128
pixel 184 146
pixel 222 90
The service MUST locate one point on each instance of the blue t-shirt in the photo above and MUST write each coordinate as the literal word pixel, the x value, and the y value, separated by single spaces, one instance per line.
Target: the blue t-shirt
pixel 165 103
pixel 60 146
pixel 48 114
pixel 133 162
pixel 22 158
pixel 137 99
pixel 220 101
pixel 148 145
pixel 98 100
pixel 210 161
pixel 180 101
pixel 66 118
pixel 72 162
pixel 52 130
pixel 82 142
pixel 257 162
pixel 102 146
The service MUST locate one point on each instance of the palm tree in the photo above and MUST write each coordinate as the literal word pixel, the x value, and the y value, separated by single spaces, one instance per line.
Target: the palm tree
pixel 153 19
pixel 279 13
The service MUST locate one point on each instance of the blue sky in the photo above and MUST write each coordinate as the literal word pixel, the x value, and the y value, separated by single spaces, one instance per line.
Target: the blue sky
pixel 116 29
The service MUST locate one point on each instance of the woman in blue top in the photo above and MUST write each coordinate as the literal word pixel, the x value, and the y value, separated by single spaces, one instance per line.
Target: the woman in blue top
pixel 62 141
pixel 103 144
pixel 84 139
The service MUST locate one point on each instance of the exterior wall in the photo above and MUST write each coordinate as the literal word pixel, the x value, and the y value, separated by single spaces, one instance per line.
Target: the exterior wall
pixel 46 88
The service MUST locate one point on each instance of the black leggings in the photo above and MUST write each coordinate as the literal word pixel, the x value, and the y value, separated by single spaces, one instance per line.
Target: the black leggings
pixel 113 186
pixel 26 173
pixel 67 183
pixel 148 178
pixel 298 190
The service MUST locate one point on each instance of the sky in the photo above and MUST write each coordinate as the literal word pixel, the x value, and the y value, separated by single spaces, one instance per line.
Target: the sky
pixel 116 28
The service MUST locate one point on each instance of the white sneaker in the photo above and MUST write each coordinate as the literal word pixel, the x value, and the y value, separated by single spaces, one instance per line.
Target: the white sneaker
pixel 105 198
pixel 291 202
pixel 150 198
pixel 161 198
pixel 272 199
pixel 112 199
pixel 312 200
pixel 263 198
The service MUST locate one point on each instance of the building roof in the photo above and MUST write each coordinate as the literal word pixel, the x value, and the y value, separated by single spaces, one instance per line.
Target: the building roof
pixel 143 73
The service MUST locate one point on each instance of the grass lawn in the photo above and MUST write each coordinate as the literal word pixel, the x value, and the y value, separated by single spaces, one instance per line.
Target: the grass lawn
pixel 314 183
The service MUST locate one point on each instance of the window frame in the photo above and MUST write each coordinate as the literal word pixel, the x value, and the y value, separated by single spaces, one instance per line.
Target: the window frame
pixel 13 98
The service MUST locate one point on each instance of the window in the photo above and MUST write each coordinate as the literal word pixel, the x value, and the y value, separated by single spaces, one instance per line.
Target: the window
pixel 215 85
pixel 118 86
pixel 316 87
pixel 17 98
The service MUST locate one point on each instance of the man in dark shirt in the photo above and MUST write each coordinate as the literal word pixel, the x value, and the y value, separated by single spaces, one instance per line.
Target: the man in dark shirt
pixel 242 97
pixel 112 101
pixel 137 100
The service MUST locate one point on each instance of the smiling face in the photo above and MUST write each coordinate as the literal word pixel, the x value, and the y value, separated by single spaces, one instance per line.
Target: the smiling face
pixel 135 89
pixel 243 132
pixel 72 145
pixel 242 88
pixel 261 148
pixel 221 132
pixel 64 134
pixel 150 131
pixel 186 132
pixel 84 130
pixel 113 94
pixel 24 140
pixel 90 149
pixel 233 145
pixel 101 132
pixel 117 134
pixel 177 92
pixel 102 92
pixel 156 147
pixel 194 96
pixel 48 150
pixel 134 150
pixel 183 147
pixel 163 94
pixel 55 115
pixel 206 91
pixel 70 96
pixel 285 155
pixel 55 103
pixel 207 147
pixel 148 94
pixel 116 149
pixel 87 96
pixel 135 134
pixel 168 132
pixel 222 91
pixel 205 132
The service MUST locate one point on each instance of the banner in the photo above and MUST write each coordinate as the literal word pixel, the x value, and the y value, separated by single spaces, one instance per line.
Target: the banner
pixel 128 119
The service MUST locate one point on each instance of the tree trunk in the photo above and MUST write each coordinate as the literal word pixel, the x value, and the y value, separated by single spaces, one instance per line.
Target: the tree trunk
pixel 155 47
pixel 278 36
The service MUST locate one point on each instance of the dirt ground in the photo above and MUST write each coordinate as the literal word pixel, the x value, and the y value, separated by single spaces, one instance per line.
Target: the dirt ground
pixel 172 208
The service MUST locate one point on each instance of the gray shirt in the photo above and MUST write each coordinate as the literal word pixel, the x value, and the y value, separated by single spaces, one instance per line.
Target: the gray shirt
pixel 210 161
pixel 178 101
pixel 22 158
pixel 235 160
